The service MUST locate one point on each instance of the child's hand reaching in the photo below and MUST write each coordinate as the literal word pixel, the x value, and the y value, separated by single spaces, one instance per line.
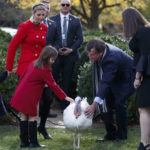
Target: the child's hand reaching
pixel 69 99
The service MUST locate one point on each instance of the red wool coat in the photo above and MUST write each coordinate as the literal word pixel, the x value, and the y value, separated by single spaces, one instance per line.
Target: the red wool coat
pixel 30 87
pixel 32 39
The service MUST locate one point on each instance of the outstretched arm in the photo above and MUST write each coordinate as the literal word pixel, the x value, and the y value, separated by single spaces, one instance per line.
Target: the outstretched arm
pixel 69 99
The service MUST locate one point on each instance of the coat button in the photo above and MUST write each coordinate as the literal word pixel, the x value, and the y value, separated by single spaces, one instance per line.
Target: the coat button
pixel 37 36
pixel 36 46
pixel 43 37
pixel 41 28
pixel 36 55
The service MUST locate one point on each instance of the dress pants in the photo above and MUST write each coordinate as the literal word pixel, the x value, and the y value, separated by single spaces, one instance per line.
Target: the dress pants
pixel 118 107
pixel 45 103
pixel 64 66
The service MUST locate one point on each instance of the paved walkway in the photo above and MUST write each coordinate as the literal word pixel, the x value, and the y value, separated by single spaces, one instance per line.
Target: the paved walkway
pixel 55 122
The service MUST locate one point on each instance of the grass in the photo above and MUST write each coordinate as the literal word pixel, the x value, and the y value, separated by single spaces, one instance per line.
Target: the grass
pixel 63 139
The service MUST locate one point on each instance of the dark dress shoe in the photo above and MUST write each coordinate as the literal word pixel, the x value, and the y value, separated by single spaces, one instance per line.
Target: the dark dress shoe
pixel 32 145
pixel 105 139
pixel 142 147
pixel 100 140
pixel 52 115
pixel 118 140
pixel 44 133
pixel 22 145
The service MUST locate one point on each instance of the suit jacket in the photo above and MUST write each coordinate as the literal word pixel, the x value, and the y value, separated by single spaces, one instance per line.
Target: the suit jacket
pixel 74 34
pixel 118 74
pixel 30 87
pixel 51 33
pixel 32 39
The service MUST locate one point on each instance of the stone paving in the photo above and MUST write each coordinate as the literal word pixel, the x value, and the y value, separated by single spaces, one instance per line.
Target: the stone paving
pixel 55 122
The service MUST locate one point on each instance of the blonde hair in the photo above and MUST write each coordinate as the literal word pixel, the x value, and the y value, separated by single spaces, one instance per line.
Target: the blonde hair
pixel 47 53
pixel 132 21
pixel 38 6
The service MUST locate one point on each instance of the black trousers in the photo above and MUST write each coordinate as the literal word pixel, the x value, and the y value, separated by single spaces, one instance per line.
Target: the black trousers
pixel 44 105
pixel 116 109
pixel 62 71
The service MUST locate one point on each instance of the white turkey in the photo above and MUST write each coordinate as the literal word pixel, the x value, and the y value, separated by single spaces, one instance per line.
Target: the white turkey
pixel 75 119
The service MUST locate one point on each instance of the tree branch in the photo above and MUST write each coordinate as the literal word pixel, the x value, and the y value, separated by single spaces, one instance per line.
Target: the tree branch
pixel 83 8
pixel 107 6
pixel 79 12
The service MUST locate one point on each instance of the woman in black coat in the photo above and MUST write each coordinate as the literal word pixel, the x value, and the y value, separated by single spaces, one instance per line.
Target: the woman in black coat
pixel 137 28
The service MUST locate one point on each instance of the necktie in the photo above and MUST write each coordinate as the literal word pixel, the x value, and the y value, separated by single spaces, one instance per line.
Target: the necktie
pixel 45 22
pixel 64 33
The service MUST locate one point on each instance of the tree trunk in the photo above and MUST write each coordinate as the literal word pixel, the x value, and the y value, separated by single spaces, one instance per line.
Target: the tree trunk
pixel 93 23
pixel 91 20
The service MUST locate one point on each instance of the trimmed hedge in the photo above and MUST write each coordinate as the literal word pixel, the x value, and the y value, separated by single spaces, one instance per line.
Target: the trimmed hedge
pixel 8 86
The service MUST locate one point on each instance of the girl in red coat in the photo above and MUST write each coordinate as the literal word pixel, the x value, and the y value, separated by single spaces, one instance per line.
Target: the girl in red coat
pixel 29 91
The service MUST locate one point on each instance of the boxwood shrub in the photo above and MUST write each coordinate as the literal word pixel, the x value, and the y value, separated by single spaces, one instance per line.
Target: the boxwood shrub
pixel 8 86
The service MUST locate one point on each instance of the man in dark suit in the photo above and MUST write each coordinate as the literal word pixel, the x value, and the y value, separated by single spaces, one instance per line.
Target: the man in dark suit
pixel 69 39
pixel 113 78
pixel 47 98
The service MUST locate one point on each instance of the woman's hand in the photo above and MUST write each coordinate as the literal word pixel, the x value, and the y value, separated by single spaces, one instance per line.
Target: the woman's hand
pixel 137 83
pixel 69 99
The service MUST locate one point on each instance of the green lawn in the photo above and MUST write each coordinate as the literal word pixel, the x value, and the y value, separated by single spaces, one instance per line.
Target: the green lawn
pixel 63 139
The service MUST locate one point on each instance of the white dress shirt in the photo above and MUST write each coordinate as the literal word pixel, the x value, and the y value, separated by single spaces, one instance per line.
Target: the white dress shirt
pixel 62 20
pixel 98 99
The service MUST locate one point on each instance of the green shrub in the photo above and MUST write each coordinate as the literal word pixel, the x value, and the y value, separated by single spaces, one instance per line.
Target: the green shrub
pixel 84 83
pixel 8 86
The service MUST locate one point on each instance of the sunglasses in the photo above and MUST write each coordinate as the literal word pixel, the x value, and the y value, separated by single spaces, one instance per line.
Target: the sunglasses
pixel 63 5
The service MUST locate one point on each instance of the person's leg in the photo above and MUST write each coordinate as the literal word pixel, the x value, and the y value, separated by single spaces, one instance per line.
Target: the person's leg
pixel 33 133
pixel 56 68
pixel 109 118
pixel 121 118
pixel 46 101
pixel 24 136
pixel 56 72
pixel 67 72
pixel 145 126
